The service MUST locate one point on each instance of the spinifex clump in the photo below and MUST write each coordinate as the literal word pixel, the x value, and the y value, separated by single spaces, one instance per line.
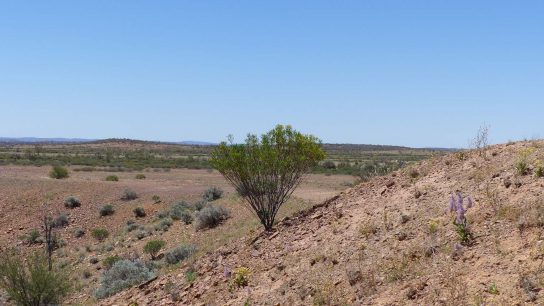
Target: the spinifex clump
pixel 457 206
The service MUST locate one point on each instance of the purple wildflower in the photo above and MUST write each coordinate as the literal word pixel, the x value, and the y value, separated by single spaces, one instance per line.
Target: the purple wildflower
pixel 457 206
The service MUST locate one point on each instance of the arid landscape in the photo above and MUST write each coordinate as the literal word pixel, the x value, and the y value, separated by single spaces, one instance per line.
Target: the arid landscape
pixel 271 153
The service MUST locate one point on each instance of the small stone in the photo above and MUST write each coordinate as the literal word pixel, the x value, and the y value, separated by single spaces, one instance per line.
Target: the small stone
pixel 390 184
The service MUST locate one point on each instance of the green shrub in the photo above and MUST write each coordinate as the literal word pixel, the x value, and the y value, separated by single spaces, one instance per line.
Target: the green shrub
pixel 156 199
pixel 139 212
pixel 72 202
pixel 30 282
pixel 177 210
pixel 267 169
pixel 129 194
pixel 211 216
pixel 33 237
pixel 58 172
pixel 106 210
pixel 212 194
pixel 539 172
pixel 142 233
pixel 241 277
pixel 109 261
pixel 178 254
pixel 121 275
pixel 153 247
pixel 100 234
pixel 112 178
pixel 140 176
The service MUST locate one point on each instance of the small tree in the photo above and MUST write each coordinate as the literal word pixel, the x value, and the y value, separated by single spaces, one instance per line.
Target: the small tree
pixel 266 171
pixel 31 281
pixel 153 247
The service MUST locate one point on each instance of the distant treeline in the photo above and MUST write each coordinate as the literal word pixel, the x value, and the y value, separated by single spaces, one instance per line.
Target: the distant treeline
pixel 358 160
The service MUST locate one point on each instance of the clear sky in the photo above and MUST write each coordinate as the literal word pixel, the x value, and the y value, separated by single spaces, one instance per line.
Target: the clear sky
pixel 416 73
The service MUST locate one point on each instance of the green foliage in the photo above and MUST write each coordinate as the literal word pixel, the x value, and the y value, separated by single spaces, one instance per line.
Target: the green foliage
pixel 112 178
pixel 30 282
pixel 190 276
pixel 156 199
pixel 33 237
pixel 464 234
pixel 178 254
pixel 121 275
pixel 106 210
pixel 266 171
pixel 129 194
pixel 58 172
pixel 72 202
pixel 211 216
pixel 212 194
pixel 109 261
pixel 153 247
pixel 241 277
pixel 100 234
pixel 140 176
pixel 139 212
pixel 539 172
pixel 493 289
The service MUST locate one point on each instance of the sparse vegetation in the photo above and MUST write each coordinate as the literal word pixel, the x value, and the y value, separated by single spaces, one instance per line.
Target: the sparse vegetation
pixel 164 224
pixel 212 194
pixel 153 247
pixel 33 237
pixel 109 261
pixel 61 221
pixel 156 199
pixel 240 277
pixel 30 281
pixel 266 171
pixel 121 275
pixel 140 176
pixel 72 202
pixel 100 234
pixel 178 254
pixel 78 233
pixel 112 178
pixel 58 172
pixel 106 210
pixel 129 195
pixel 139 212
pixel 211 216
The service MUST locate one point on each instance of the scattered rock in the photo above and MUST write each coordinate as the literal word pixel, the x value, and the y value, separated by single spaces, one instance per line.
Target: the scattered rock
pixel 354 276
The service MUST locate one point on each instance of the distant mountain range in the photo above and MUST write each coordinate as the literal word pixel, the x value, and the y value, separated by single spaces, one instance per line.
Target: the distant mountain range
pixel 59 140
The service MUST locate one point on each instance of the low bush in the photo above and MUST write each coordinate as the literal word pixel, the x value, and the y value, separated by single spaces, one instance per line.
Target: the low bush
pixel 112 178
pixel 212 194
pixel 72 202
pixel 178 254
pixel 121 275
pixel 33 237
pixel 153 247
pixel 109 261
pixel 58 172
pixel 186 217
pixel 177 210
pixel 30 282
pixel 156 199
pixel 106 210
pixel 100 234
pixel 200 204
pixel 79 233
pixel 132 226
pixel 61 221
pixel 142 233
pixel 140 176
pixel 139 212
pixel 211 216
pixel 128 195
pixel 164 224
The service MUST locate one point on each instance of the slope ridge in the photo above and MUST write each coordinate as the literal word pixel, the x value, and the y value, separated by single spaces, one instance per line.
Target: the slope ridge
pixel 388 241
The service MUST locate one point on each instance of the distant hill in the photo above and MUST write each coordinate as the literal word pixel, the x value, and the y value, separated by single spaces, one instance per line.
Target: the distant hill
pixel 42 140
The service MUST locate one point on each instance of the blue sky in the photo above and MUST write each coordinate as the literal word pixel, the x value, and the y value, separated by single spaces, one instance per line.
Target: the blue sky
pixel 416 73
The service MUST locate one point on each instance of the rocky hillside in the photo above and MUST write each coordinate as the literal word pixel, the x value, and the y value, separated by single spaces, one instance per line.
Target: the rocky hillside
pixel 389 241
